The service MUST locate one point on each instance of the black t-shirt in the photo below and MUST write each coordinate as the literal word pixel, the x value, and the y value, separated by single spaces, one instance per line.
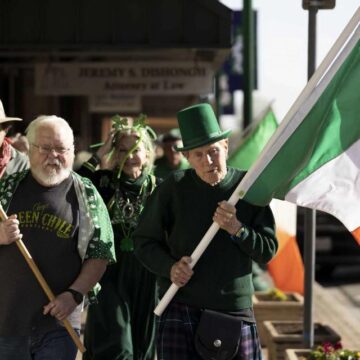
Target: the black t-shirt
pixel 49 221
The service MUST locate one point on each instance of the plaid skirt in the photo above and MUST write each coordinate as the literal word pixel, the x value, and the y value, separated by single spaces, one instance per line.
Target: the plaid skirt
pixel 176 332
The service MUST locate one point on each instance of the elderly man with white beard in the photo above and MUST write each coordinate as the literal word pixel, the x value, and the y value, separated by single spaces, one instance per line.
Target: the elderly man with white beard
pixel 65 225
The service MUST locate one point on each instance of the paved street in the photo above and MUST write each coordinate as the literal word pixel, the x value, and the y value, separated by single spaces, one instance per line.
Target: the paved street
pixel 339 303
pixel 347 279
pixel 352 292
pixel 333 306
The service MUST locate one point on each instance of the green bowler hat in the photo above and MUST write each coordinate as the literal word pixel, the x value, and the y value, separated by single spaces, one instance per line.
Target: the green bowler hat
pixel 198 126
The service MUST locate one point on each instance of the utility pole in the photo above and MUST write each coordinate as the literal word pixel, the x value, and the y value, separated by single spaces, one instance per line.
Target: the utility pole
pixel 249 62
pixel 310 215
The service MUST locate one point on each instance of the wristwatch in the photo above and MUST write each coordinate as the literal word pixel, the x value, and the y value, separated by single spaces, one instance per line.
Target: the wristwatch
pixel 78 296
pixel 96 158
pixel 239 232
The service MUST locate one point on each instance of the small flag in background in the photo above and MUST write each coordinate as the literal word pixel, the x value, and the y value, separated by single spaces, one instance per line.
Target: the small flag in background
pixel 253 141
pixel 313 159
pixel 286 268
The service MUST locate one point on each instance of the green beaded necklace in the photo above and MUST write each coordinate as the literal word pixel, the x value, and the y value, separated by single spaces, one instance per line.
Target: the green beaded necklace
pixel 126 208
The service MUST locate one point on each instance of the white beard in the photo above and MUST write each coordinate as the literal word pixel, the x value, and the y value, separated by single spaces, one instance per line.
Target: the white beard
pixel 52 176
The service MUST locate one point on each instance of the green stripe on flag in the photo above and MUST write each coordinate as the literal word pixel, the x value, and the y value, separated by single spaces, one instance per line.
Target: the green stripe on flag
pixel 250 148
pixel 330 128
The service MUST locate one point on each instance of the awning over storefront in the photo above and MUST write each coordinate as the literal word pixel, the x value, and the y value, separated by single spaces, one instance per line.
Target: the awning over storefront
pixel 128 30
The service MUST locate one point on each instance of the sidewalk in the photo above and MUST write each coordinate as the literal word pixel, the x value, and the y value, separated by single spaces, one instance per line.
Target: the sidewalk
pixel 332 307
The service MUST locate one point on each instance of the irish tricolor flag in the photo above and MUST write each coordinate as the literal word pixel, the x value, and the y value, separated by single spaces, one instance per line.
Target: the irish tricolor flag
pixel 313 159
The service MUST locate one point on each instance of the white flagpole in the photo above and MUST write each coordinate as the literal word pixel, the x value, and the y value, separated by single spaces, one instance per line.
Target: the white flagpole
pixel 274 143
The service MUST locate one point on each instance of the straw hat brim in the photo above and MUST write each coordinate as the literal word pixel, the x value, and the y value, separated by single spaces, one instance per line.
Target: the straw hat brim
pixel 7 119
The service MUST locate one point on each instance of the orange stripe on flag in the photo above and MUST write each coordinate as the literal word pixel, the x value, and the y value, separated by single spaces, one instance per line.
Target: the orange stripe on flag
pixel 356 234
pixel 286 268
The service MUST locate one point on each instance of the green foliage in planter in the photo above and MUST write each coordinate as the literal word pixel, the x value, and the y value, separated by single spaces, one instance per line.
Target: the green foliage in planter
pixel 329 351
pixel 277 295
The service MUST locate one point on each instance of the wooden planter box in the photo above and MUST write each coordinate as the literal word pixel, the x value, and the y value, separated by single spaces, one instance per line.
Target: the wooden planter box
pixel 267 309
pixel 282 335
pixel 295 354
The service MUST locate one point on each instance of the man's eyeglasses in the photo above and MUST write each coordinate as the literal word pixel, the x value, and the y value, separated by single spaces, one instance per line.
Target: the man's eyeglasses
pixel 46 150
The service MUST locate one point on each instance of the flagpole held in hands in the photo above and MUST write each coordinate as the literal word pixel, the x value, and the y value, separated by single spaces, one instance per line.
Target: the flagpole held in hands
pixel 24 251
pixel 203 244
pixel 195 256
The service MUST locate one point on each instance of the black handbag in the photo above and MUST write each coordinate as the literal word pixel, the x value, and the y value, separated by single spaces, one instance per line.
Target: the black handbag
pixel 217 336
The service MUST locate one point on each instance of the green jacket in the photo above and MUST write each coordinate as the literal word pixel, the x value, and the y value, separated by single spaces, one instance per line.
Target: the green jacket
pixel 175 219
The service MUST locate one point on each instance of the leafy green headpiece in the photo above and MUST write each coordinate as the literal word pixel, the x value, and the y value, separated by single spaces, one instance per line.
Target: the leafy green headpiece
pixel 122 124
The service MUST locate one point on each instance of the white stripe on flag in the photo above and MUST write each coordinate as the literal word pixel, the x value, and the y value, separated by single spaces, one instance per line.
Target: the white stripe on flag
pixel 333 188
pixel 285 216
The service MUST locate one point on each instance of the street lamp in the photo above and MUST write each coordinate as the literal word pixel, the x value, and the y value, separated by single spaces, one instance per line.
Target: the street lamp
pixel 319 4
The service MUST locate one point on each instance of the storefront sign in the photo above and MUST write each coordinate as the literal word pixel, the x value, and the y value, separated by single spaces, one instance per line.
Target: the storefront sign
pixel 126 78
pixel 113 103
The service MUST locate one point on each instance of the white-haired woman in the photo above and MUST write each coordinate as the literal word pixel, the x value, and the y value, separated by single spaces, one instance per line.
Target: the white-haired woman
pixel 122 324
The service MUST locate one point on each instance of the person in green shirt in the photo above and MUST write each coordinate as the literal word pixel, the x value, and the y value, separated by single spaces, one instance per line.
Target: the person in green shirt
pixel 176 217
pixel 171 160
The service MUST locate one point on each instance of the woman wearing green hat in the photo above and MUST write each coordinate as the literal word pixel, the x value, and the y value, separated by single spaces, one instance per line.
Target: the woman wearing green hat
pixel 211 315
pixel 122 325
